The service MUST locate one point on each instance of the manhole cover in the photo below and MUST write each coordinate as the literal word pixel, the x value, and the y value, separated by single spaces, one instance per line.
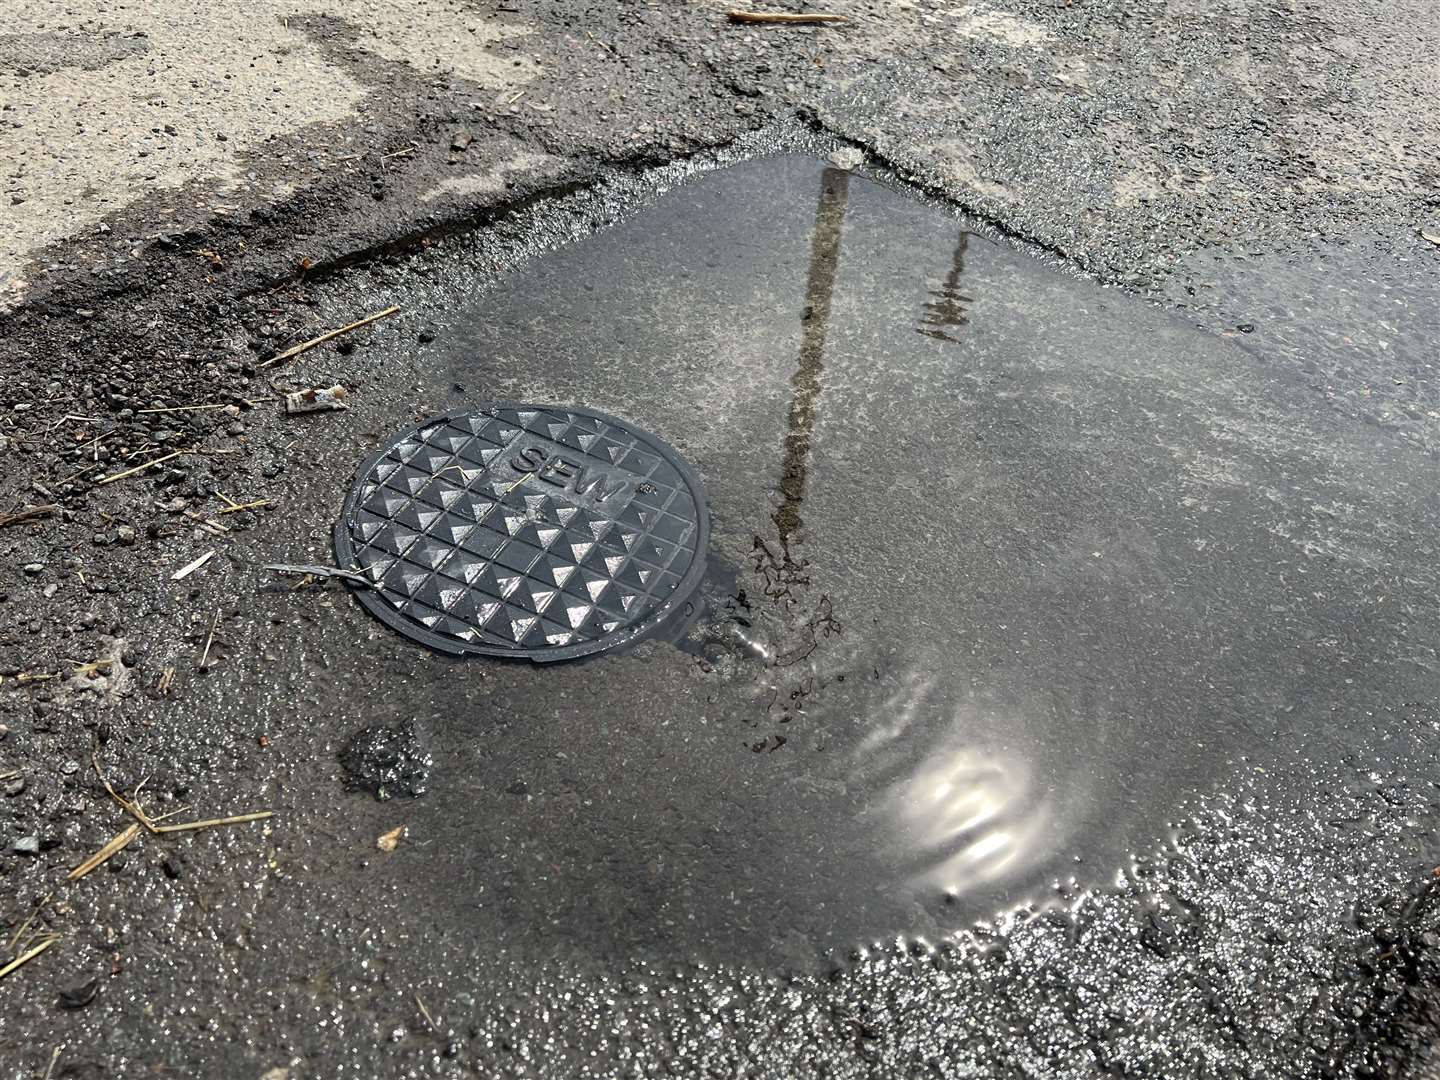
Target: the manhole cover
pixel 539 531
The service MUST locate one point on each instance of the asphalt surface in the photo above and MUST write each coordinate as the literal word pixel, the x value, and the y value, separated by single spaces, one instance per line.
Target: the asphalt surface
pixel 1194 307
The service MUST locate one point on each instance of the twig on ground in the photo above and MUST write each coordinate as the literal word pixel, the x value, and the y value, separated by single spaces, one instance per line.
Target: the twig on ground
pixel 27 515
pixel 20 933
pixel 783 17
pixel 100 857
pixel 78 665
pixel 50 1069
pixel 426 1013
pixel 189 568
pixel 172 813
pixel 306 345
pixel 231 506
pixel 98 438
pixel 77 475
pixel 210 823
pixel 25 957
pixel 91 668
pixel 209 641
pixel 138 468
pixel 131 808
pixel 210 526
pixel 181 408
pixel 309 573
pixel 245 506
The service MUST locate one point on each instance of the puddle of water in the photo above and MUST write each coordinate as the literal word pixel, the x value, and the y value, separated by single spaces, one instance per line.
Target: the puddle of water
pixel 1005 568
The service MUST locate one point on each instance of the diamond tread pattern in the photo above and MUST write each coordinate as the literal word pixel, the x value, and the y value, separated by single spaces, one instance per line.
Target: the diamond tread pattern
pixel 476 555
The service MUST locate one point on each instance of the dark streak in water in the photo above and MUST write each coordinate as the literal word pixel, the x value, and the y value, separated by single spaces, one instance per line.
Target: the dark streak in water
pixel 805 385
pixel 947 309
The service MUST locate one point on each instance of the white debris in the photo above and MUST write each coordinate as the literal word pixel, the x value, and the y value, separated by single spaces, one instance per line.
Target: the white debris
pixel 317 400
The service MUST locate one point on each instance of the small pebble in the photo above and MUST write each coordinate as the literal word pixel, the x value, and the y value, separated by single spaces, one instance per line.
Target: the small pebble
pixel 77 997
pixel 26 845
pixel 125 534
pixel 50 590
pixel 33 568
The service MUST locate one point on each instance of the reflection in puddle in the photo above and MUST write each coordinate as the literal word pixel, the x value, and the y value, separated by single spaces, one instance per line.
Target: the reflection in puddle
pixel 946 308
pixel 958 812
pixel 805 386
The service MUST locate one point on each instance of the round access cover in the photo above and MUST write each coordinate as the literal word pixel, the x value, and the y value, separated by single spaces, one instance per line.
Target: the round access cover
pixel 538 531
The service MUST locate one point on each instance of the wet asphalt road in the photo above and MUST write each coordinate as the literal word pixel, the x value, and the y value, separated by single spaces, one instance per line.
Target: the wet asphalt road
pixel 1121 630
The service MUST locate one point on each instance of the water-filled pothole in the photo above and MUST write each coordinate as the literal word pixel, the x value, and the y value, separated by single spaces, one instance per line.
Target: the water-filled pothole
pixel 1005 569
